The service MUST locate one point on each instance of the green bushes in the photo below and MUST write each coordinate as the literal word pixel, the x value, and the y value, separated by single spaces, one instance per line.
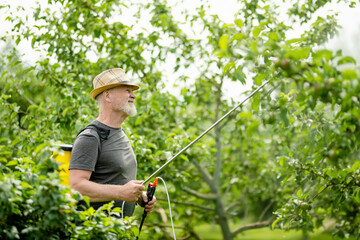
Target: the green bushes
pixel 33 205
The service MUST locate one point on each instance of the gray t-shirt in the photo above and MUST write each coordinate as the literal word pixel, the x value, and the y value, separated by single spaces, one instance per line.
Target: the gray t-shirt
pixel 116 163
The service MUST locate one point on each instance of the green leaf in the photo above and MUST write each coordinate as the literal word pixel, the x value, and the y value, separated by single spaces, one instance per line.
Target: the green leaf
pixel 355 166
pixel 39 148
pixel 299 192
pixel 183 157
pixel 256 31
pixel 346 60
pixel 274 36
pixel 322 54
pixel 245 115
pixel 294 40
pixel 240 75
pixel 25 185
pixel 356 195
pixel 255 104
pixel 252 127
pixel 29 69
pixel 227 25
pixel 239 36
pixel 176 68
pixel 17 41
pixel 184 91
pixel 151 145
pixel 282 161
pixel 283 116
pixel 239 23
pixel 223 42
pixel 299 53
pixel 259 78
pixel 349 74
pixel 12 163
pixel 275 222
pixel 228 67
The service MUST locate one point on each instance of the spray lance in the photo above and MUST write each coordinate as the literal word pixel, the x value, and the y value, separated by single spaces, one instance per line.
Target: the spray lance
pixel 205 132
pixel 152 186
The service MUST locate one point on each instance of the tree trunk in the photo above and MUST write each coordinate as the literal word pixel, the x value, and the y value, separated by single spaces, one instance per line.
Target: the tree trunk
pixel 223 221
pixel 220 209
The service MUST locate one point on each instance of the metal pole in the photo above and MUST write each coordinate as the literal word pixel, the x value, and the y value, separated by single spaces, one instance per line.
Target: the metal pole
pixel 205 132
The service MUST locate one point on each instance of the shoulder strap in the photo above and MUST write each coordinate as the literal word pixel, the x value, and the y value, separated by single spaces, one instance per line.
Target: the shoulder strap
pixel 102 133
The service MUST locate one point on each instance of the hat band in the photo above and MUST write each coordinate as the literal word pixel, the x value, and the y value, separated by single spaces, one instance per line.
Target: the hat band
pixel 128 82
pixel 123 82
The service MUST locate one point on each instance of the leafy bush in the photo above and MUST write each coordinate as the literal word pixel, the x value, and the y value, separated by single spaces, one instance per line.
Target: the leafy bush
pixel 34 205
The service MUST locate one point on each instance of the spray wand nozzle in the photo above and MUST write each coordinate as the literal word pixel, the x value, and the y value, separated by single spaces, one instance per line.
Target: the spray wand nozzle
pixel 150 192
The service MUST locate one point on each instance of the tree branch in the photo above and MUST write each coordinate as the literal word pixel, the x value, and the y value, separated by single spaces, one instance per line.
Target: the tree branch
pixel 251 226
pixel 328 185
pixel 233 205
pixel 205 174
pixel 188 204
pixel 200 195
pixel 265 210
pixel 218 164
pixel 237 203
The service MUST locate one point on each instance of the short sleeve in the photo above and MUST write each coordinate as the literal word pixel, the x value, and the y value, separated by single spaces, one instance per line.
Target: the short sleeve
pixel 85 151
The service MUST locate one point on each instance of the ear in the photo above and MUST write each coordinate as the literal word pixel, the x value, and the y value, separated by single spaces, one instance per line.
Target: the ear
pixel 107 95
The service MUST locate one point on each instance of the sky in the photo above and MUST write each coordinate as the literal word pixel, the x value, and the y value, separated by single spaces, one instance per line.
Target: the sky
pixel 348 39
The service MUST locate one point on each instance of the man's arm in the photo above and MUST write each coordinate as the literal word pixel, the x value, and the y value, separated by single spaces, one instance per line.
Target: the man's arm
pixel 129 192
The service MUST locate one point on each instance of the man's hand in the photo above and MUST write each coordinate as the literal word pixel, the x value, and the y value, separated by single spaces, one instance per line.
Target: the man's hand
pixel 150 205
pixel 132 191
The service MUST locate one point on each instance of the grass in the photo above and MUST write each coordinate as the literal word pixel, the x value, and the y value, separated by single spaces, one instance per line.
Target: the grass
pixel 212 232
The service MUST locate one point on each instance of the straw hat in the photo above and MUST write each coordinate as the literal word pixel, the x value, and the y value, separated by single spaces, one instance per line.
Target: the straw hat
pixel 109 79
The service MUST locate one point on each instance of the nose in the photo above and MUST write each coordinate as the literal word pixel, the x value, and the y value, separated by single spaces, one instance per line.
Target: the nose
pixel 132 95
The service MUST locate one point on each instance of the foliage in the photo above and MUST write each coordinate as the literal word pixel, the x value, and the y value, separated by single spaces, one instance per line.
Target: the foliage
pixel 288 159
pixel 33 204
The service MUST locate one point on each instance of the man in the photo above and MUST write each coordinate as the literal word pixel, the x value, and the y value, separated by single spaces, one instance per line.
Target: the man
pixel 104 169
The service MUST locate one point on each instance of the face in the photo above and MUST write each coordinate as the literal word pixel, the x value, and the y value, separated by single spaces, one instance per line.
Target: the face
pixel 123 99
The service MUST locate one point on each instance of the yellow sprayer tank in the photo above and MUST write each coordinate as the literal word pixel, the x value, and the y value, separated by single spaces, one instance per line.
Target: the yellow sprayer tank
pixel 63 157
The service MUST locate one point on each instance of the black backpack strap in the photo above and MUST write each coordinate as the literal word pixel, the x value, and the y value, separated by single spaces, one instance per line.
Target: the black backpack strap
pixel 102 133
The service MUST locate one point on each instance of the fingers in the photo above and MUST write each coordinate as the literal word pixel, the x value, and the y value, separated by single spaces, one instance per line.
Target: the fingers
pixel 144 197
pixel 150 205
pixel 133 190
pixel 138 182
pixel 138 186
pixel 139 189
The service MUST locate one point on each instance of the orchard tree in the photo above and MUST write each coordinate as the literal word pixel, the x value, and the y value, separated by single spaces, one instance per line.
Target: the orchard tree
pixel 271 164
pixel 288 159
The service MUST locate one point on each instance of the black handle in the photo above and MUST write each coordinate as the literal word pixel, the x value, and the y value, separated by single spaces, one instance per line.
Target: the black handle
pixel 149 193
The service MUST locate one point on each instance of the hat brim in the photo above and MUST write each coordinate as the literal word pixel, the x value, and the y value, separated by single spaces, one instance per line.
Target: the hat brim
pixel 99 90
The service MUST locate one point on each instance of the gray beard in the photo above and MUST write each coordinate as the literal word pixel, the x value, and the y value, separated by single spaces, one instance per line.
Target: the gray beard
pixel 130 110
